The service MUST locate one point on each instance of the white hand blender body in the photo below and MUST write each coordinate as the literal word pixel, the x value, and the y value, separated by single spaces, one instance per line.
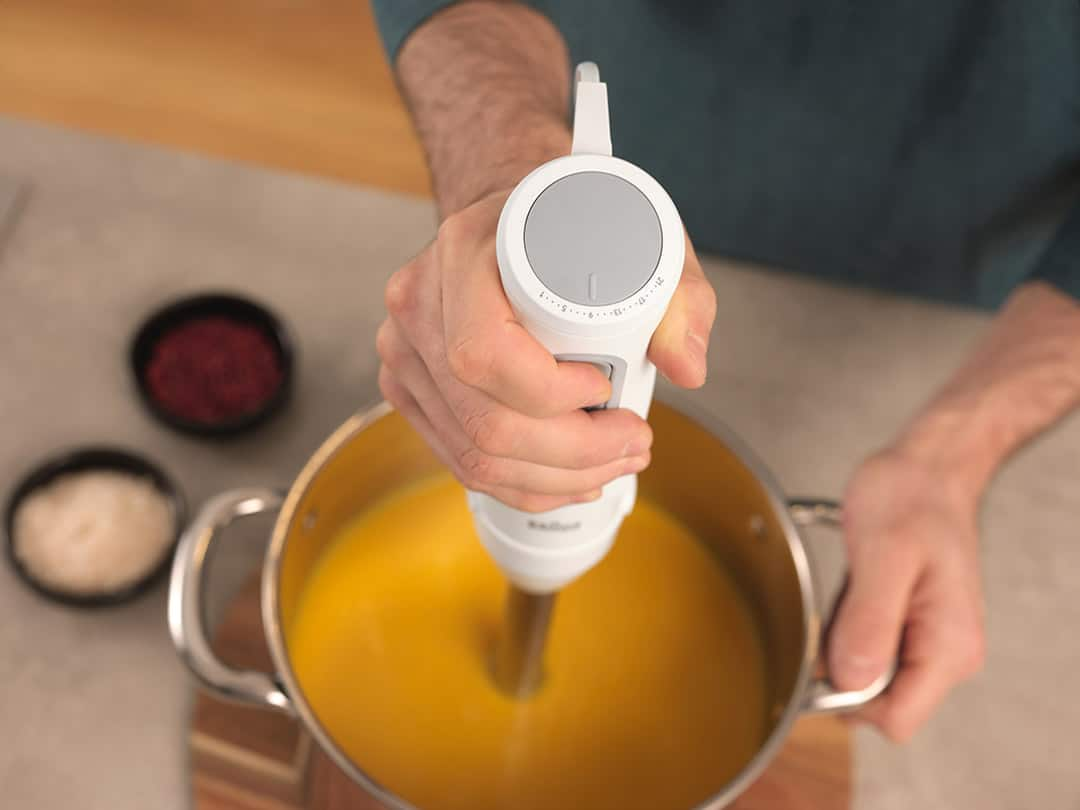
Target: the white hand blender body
pixel 590 250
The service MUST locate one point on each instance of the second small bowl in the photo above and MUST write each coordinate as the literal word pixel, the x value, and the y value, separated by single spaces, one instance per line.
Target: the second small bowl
pixel 91 459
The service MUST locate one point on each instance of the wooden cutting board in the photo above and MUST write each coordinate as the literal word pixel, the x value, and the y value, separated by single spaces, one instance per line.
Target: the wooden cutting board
pixel 253 759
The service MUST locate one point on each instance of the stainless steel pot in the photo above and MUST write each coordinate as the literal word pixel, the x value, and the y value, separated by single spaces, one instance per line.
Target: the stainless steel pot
pixel 700 472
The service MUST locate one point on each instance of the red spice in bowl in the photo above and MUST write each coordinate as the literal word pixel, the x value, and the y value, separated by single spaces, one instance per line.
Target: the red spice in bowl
pixel 213 364
pixel 213 369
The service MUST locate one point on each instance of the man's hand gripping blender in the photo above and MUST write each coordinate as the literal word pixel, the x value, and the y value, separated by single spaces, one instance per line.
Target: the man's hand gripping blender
pixel 590 250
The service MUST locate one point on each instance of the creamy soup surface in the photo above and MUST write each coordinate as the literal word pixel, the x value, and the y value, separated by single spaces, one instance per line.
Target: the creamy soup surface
pixel 654 690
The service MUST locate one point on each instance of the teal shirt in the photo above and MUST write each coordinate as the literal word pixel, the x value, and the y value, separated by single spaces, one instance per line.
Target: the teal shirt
pixel 930 149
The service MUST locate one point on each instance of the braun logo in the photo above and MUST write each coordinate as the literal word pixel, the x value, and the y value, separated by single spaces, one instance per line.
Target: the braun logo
pixel 554 525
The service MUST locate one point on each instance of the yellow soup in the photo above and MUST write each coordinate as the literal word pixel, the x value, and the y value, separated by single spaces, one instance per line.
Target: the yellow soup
pixel 654 692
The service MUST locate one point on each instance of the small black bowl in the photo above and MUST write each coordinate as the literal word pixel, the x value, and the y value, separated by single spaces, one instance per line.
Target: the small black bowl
pixel 200 306
pixel 83 460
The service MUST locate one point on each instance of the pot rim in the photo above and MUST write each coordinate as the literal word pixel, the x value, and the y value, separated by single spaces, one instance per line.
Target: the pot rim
pixel 366 417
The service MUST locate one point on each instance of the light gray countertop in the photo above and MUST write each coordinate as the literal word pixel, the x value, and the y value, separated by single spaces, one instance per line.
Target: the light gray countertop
pixel 93 704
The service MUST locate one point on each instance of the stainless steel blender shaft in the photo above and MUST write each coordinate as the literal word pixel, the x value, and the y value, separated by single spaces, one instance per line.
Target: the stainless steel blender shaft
pixel 518 665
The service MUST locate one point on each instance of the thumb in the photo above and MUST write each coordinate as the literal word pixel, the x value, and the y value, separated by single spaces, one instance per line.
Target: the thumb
pixel 865 635
pixel 681 340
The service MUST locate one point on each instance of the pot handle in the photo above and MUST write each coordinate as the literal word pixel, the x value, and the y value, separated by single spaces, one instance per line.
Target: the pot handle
pixel 821 696
pixel 186 624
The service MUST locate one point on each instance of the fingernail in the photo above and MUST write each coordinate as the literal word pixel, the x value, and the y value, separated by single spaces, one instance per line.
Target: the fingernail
pixel 636 447
pixel 588 497
pixel 636 464
pixel 697 349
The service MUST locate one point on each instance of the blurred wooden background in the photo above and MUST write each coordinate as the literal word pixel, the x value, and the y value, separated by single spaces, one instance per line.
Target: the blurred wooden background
pixel 293 84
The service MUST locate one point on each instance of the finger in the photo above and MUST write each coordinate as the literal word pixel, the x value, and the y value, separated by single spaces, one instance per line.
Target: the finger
pixel 488 349
pixel 935 658
pixel 534 503
pixel 484 473
pixel 577 440
pixel 680 343
pixel 865 635
pixel 475 467
pixel 398 396
pixel 910 701
pixel 943 645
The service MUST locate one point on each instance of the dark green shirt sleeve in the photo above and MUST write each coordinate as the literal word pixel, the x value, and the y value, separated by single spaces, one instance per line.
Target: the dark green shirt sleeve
pixel 1060 265
pixel 399 18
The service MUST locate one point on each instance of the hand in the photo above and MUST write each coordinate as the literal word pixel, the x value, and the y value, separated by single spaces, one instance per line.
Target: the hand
pixel 490 400
pixel 914 586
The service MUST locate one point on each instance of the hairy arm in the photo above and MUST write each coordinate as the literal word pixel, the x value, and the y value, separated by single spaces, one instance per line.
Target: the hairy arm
pixel 488 86
pixel 911 511
pixel 1022 378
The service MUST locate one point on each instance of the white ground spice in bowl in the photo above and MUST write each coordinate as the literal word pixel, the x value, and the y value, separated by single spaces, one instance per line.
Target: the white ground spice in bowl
pixel 93 532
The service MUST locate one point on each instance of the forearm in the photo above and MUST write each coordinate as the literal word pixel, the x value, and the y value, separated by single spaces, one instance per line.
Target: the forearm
pixel 1022 378
pixel 487 84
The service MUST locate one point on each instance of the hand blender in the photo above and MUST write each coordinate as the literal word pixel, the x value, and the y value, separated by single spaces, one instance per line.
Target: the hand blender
pixel 590 249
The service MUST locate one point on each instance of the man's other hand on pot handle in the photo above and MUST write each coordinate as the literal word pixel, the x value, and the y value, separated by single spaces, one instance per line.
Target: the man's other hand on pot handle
pixel 911 511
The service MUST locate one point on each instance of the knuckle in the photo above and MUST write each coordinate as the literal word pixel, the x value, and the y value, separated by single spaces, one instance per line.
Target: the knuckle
pixel 391 349
pixel 475 425
pixel 453 463
pixel 400 293
pixel 469 362
pixel 448 231
pixel 478 470
pixel 493 433
pixel 389 387
pixel 466 481
pixel 454 232
pixel 384 342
